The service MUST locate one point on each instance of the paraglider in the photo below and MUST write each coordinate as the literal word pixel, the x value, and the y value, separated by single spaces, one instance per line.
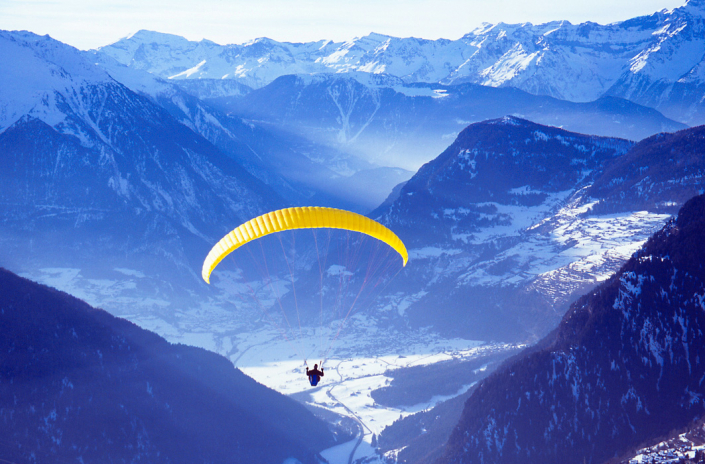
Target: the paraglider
pixel 306 217
pixel 290 219
pixel 314 375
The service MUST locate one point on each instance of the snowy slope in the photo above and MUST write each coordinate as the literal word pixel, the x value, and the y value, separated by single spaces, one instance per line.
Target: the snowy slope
pixel 667 74
pixel 260 61
pixel 686 446
pixel 502 220
pixel 38 80
pixel 254 64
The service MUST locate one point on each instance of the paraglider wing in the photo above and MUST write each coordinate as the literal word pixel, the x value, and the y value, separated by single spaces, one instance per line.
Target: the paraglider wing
pixel 306 217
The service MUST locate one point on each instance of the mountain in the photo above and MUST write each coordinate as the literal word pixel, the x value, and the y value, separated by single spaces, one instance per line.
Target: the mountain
pixel 421 436
pixel 79 385
pixel 507 227
pixel 212 88
pixel 509 161
pixel 641 59
pixel 386 122
pixel 658 174
pixel 259 62
pixel 654 60
pixel 667 74
pixel 469 218
pixel 493 253
pixel 94 176
pixel 173 57
pixel 600 217
pixel 624 366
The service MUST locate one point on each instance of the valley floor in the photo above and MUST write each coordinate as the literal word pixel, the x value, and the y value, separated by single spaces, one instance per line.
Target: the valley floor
pixel 358 363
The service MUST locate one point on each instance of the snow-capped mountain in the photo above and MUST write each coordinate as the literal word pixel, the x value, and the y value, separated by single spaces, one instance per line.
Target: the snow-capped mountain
pixel 387 122
pixel 585 61
pixel 654 60
pixel 91 170
pixel 624 366
pixel 260 61
pixel 668 73
pixel 38 83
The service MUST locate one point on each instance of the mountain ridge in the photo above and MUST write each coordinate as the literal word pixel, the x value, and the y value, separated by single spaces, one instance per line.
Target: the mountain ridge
pixel 643 59
pixel 383 120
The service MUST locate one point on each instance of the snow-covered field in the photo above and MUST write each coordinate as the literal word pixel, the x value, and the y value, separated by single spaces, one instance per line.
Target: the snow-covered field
pixel 356 365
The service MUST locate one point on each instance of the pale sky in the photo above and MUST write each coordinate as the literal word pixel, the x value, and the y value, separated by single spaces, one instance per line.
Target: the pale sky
pixel 92 23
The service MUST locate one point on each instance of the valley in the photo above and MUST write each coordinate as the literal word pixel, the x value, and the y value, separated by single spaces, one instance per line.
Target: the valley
pixel 534 173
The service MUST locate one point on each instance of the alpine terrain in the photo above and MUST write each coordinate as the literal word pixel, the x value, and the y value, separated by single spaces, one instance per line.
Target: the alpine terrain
pixel 382 120
pixel 535 212
pixel 654 60
pixel 96 177
pixel 524 167
pixel 625 365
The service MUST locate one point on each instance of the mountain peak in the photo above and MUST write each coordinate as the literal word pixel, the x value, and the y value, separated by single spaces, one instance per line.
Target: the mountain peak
pixel 378 36
pixel 509 121
pixel 41 68
pixel 696 7
pixel 493 55
pixel 260 40
pixel 144 35
pixel 509 161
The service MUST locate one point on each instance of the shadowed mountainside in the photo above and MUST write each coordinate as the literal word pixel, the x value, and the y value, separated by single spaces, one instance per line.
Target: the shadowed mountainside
pixel 79 385
pixel 625 365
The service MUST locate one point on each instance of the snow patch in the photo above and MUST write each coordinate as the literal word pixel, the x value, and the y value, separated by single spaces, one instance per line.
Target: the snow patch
pixel 432 252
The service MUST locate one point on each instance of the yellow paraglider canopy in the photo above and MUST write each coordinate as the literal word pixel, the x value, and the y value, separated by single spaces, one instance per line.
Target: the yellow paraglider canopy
pixel 305 217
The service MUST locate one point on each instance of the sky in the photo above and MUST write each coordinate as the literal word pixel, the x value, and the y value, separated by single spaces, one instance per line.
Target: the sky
pixel 87 24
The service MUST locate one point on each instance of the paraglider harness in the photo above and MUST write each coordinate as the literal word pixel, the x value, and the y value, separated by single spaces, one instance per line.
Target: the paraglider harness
pixel 314 375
